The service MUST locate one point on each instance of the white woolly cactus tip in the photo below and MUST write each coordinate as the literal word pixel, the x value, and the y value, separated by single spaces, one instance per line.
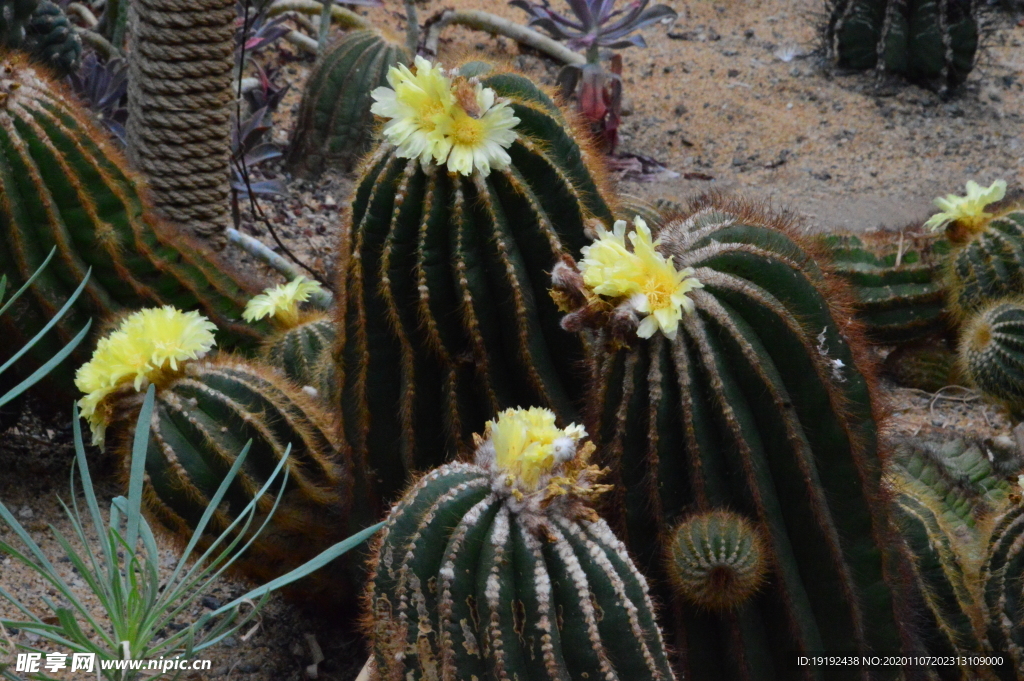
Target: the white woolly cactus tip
pixel 281 303
pixel 644 279
pixel 968 211
pixel 147 345
pixel 437 117
pixel 527 453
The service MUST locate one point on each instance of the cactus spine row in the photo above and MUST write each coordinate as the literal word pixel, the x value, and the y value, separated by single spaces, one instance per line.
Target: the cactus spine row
pixel 992 352
pixel 478 578
pixel 334 126
pixel 64 185
pixel 304 353
pixel 989 265
pixel 759 405
pixel 447 317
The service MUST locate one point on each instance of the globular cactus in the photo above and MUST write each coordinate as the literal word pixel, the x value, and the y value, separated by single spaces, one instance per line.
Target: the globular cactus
pixel 928 365
pixel 898 286
pixel 716 560
pixel 940 493
pixel 992 352
pixel 302 342
pixel 931 42
pixel 985 229
pixel 51 39
pixel 499 569
pixel 455 222
pixel 727 375
pixel 206 409
pixel 65 185
pixel 334 126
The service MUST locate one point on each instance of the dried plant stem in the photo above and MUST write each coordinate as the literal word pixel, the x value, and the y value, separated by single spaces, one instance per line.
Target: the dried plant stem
pixel 302 41
pixel 344 17
pixel 83 13
pixel 490 23
pixel 262 252
pixel 98 43
pixel 325 24
pixel 412 27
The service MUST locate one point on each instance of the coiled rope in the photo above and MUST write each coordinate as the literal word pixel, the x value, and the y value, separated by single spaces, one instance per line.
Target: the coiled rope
pixel 180 101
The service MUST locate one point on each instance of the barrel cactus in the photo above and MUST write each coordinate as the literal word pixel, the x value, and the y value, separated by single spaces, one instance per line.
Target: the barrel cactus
pixel 725 379
pixel 931 42
pixel 986 234
pixel 65 185
pixel 992 352
pixel 334 126
pixel 206 409
pixel 897 282
pixel 940 495
pixel 302 342
pixel 478 188
pixel 1002 574
pixel 499 569
pixel 717 559
pixel 928 365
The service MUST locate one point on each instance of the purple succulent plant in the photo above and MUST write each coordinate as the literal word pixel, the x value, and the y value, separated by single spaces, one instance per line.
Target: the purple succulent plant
pixel 596 23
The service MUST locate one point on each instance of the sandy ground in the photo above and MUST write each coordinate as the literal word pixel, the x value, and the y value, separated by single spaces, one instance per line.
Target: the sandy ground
pixel 735 91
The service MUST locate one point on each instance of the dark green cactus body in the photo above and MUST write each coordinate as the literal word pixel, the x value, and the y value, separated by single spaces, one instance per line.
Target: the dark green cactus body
pixel 202 419
pixel 63 184
pixel 933 42
pixel 992 352
pixel 989 266
pixel 447 316
pixel 939 493
pixel 14 18
pixel 1002 575
pixel 895 303
pixel 466 587
pixel 334 125
pixel 52 40
pixel 760 405
pixel 304 353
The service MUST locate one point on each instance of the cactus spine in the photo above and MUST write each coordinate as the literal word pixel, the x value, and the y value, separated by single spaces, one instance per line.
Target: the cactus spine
pixel 896 302
pixel 992 352
pixel 760 404
pixel 716 560
pixel 334 126
pixel 447 318
pixel 932 42
pixel 500 570
pixel 64 185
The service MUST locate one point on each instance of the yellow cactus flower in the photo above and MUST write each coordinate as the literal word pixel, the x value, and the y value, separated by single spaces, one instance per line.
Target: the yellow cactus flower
pixel 147 344
pixel 415 103
pixel 967 210
pixel 479 135
pixel 528 445
pixel 281 303
pixel 662 296
pixel 647 279
pixel 437 119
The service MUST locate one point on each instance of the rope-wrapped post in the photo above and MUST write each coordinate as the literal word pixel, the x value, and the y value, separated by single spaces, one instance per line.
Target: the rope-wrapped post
pixel 180 101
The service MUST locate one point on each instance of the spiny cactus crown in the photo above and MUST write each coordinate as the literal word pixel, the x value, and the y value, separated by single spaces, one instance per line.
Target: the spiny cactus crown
pixel 445 118
pixel 146 347
pixel 533 461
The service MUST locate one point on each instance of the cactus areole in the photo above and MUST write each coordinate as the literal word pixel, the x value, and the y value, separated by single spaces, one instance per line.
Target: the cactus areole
pixel 748 396
pixel 499 569
pixel 456 221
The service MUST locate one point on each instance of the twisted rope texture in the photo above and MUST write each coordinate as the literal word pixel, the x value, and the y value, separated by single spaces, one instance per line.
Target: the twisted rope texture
pixel 179 103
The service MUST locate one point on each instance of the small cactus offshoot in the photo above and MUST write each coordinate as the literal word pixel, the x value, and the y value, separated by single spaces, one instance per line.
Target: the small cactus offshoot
pixel 500 569
pixel 717 559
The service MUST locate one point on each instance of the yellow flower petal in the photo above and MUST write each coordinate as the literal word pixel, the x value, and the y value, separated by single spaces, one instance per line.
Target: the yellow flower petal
pixel 968 210
pixel 528 445
pixel 281 302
